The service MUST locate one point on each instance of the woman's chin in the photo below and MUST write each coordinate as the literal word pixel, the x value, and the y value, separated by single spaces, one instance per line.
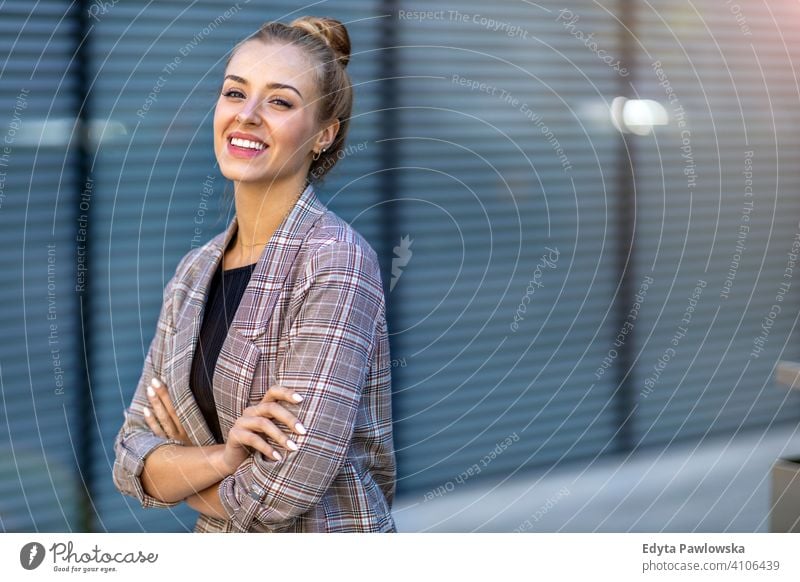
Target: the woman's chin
pixel 244 177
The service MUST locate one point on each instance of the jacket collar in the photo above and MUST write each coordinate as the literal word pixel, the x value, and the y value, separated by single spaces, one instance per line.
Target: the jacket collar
pixel 239 354
pixel 271 270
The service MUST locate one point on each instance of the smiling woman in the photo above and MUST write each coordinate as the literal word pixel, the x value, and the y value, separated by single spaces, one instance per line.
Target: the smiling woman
pixel 288 352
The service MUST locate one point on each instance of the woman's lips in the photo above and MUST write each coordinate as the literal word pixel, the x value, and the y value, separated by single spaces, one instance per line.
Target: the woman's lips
pixel 246 153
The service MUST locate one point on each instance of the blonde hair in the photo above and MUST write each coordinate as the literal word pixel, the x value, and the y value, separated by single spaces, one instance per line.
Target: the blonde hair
pixel 326 43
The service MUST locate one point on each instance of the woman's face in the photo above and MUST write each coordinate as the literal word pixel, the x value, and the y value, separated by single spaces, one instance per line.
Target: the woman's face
pixel 268 97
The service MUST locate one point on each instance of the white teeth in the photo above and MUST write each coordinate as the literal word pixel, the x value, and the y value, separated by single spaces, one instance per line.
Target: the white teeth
pixel 246 143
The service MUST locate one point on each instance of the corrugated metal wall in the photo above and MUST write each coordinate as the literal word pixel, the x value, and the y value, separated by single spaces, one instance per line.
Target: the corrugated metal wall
pixel 502 167
pixel 39 484
pixel 717 204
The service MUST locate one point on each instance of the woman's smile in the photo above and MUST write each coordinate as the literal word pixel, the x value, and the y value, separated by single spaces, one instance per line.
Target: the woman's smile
pixel 245 146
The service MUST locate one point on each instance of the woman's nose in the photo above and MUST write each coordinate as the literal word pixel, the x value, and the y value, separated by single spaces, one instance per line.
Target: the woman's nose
pixel 248 114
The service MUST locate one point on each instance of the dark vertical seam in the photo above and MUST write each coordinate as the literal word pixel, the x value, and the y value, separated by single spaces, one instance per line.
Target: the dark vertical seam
pixel 388 158
pixel 83 421
pixel 625 228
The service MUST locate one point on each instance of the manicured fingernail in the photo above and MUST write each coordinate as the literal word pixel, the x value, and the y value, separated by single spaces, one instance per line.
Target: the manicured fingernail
pixel 300 428
pixel 291 444
pixel 150 391
pixel 276 455
pixel 297 398
pixel 156 383
pixel 146 411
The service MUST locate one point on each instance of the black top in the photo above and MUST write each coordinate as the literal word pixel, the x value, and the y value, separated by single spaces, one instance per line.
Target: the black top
pixel 224 295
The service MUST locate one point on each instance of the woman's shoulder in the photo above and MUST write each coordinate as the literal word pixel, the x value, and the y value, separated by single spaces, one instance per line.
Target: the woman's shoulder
pixel 333 232
pixel 333 246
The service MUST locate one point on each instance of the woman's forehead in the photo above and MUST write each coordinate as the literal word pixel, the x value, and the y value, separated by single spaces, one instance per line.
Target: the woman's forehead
pixel 261 63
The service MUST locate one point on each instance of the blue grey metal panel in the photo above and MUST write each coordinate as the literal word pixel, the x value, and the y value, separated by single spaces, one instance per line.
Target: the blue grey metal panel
pixel 504 156
pixel 39 481
pixel 727 67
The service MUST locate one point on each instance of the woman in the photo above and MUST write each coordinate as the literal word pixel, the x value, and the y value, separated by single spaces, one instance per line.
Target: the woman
pixel 278 321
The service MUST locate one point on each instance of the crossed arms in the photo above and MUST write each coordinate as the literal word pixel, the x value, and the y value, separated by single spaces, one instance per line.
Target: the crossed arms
pixel 328 354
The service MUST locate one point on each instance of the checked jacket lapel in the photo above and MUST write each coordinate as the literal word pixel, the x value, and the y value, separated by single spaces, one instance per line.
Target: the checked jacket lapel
pixel 242 349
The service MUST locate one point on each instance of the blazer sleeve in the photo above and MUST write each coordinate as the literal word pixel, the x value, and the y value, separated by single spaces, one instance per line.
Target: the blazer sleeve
pixel 135 441
pixel 330 345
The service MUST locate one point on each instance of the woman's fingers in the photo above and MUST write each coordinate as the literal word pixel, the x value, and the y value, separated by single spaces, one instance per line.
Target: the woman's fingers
pixel 164 411
pixel 242 435
pixel 277 392
pixel 254 427
pixel 268 428
pixel 151 421
pixel 163 393
pixel 159 410
pixel 278 412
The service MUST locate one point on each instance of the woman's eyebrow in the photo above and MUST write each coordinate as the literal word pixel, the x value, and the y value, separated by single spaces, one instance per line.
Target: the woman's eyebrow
pixel 243 81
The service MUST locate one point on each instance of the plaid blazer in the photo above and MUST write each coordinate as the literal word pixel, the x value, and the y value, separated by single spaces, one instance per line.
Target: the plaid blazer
pixel 313 319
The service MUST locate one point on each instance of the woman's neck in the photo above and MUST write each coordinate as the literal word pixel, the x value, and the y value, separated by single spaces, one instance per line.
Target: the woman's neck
pixel 260 211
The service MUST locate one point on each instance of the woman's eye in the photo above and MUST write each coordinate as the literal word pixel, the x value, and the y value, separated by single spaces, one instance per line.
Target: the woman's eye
pixel 236 94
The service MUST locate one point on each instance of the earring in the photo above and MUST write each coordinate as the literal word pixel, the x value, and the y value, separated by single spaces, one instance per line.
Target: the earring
pixel 316 157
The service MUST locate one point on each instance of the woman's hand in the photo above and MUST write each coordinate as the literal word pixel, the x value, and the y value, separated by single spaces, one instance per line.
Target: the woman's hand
pixel 252 428
pixel 160 416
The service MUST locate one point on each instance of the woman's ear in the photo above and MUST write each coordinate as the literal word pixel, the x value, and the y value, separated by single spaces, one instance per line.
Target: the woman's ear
pixel 328 134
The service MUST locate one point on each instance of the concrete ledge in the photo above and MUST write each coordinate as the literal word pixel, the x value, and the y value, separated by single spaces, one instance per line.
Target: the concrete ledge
pixel 722 484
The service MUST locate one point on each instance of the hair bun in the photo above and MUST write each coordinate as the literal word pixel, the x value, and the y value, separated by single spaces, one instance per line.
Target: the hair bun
pixel 332 31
